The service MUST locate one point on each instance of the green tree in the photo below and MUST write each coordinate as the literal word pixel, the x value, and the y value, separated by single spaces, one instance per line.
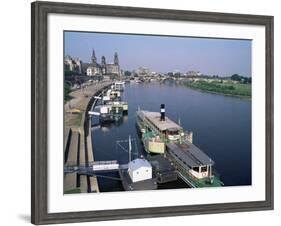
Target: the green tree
pixel 127 73
pixel 236 77
pixel 67 90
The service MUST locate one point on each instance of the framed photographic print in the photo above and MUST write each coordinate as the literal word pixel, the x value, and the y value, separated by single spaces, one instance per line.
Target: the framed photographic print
pixel 140 112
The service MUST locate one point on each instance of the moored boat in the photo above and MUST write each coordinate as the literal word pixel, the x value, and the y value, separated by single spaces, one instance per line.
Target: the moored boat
pixel 157 130
pixel 161 135
pixel 118 86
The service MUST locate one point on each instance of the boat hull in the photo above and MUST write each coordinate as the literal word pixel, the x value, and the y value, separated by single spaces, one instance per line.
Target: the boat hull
pixel 149 145
pixel 154 147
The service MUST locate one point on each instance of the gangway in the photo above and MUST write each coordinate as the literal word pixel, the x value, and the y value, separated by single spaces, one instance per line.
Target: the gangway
pixel 105 165
pixel 94 167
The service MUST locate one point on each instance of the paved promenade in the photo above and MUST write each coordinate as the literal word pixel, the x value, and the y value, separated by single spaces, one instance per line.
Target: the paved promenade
pixel 79 148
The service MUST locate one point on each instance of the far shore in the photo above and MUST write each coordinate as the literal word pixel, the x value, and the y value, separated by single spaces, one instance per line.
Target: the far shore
pixel 225 92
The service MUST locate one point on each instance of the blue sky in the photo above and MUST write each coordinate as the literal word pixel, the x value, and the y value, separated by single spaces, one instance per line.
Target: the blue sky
pixel 164 53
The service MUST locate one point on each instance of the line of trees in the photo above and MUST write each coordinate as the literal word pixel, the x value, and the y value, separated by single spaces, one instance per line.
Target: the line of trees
pixel 241 79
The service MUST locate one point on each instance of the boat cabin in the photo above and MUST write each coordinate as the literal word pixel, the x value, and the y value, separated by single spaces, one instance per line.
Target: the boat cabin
pixel 112 95
pixel 191 159
pixel 104 109
pixel 139 170
pixel 115 95
pixel 117 109
pixel 168 128
pixel 106 99
pixel 119 86
pixel 173 134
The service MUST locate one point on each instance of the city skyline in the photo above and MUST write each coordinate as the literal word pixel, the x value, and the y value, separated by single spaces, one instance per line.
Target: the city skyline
pixel 163 54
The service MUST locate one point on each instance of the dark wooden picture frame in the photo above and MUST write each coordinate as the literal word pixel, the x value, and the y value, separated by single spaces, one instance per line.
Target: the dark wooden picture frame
pixel 39 192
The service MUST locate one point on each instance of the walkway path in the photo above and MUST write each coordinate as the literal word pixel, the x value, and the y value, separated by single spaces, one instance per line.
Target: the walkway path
pixel 79 148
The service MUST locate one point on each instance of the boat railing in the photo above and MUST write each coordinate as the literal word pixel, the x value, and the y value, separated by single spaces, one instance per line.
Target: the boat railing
pixel 150 134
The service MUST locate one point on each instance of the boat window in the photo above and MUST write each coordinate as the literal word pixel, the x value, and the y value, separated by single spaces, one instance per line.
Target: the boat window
pixel 204 169
pixel 196 169
pixel 172 132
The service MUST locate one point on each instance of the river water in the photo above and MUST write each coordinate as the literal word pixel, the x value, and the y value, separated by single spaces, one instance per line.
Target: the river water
pixel 221 127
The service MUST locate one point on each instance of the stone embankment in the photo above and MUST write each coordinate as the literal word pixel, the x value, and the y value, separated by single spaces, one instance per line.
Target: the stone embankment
pixel 77 137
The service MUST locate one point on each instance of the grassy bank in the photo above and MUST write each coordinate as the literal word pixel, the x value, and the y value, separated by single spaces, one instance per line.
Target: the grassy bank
pixel 230 89
pixel 73 191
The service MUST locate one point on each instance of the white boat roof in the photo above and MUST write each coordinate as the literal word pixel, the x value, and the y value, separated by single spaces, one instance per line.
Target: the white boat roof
pixel 138 163
pixel 119 83
pixel 154 118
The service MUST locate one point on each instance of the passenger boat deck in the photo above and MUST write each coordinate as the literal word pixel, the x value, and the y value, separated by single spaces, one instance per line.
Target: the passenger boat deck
pixel 154 119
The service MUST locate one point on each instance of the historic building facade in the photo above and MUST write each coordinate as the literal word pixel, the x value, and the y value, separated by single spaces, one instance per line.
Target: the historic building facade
pixel 71 64
pixel 103 68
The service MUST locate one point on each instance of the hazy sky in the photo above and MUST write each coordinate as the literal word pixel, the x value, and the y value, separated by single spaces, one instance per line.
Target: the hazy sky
pixel 162 53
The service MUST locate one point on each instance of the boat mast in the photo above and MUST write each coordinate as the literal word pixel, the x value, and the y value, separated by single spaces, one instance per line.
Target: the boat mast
pixel 210 166
pixel 130 148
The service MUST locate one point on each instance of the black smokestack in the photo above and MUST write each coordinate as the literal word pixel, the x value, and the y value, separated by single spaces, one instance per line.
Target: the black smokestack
pixel 162 111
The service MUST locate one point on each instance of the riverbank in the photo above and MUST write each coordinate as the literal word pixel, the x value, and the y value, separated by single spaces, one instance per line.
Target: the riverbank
pixel 78 147
pixel 228 89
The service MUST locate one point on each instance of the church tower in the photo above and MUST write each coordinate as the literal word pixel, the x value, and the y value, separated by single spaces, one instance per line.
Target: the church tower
pixel 103 65
pixel 94 59
pixel 103 62
pixel 116 60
